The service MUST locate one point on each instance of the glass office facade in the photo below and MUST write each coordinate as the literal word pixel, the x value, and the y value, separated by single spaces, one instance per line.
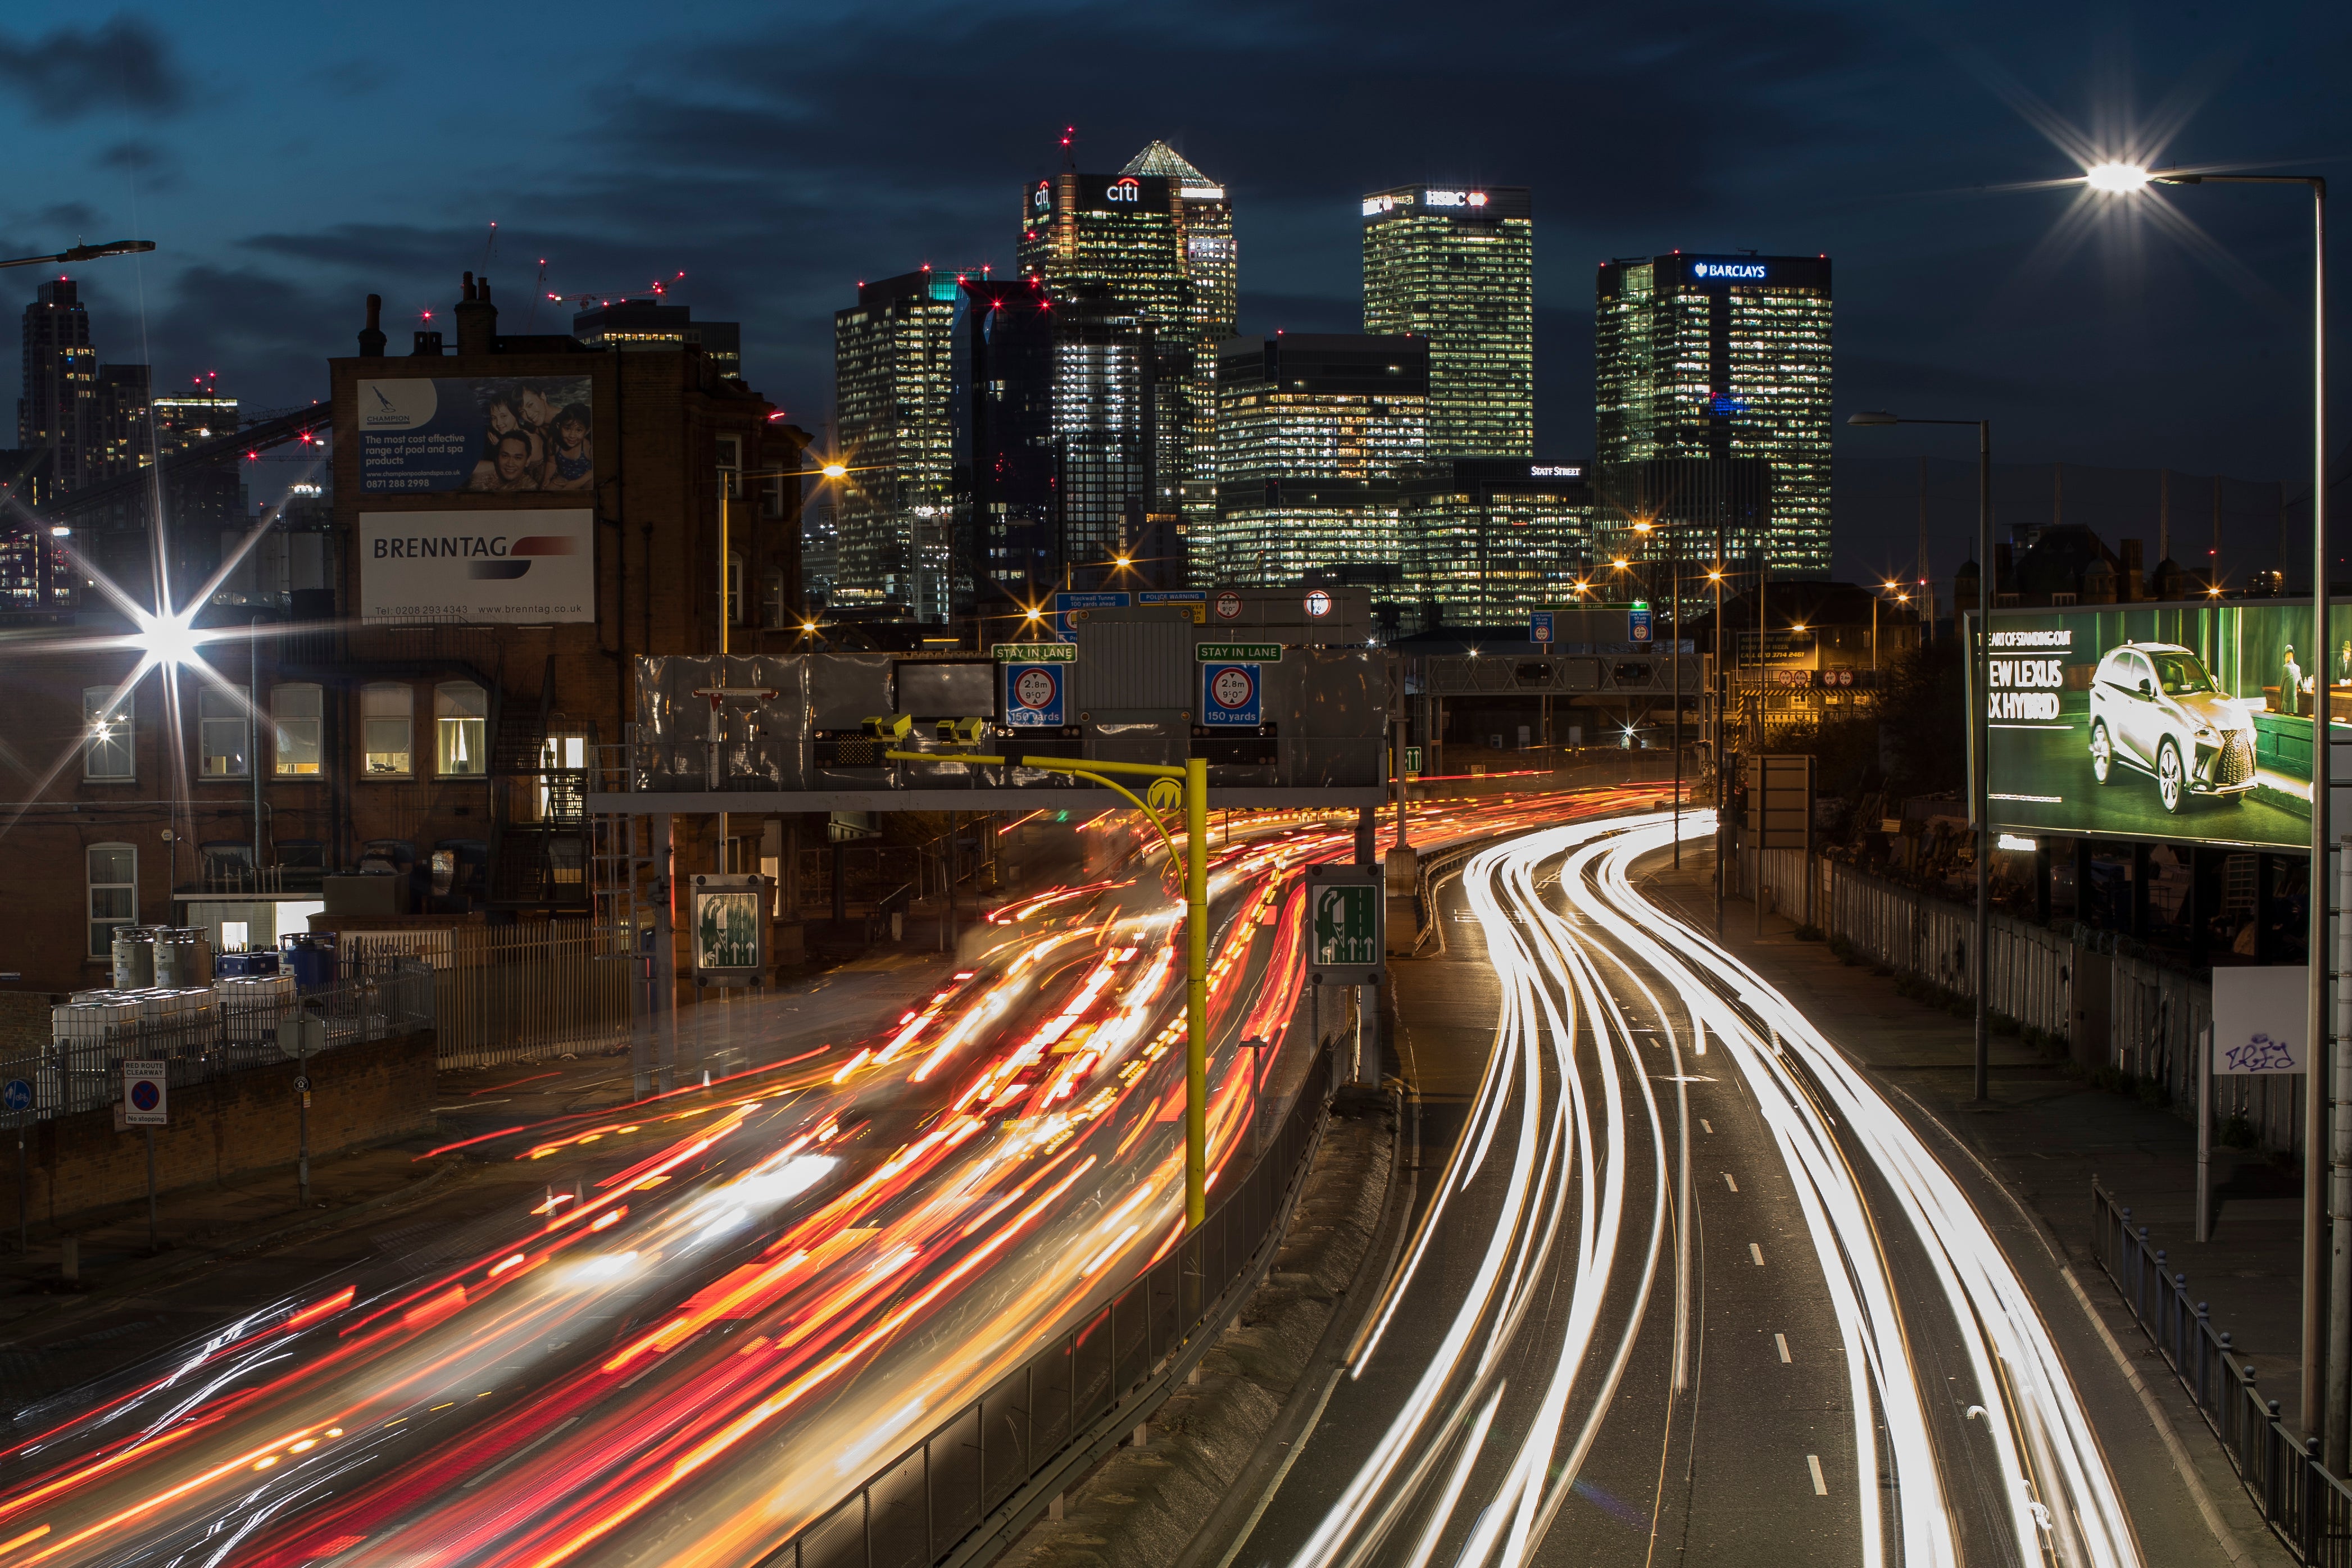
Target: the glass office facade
pixel 1457 266
pixel 1715 357
pixel 890 395
pixel 1313 434
pixel 1488 539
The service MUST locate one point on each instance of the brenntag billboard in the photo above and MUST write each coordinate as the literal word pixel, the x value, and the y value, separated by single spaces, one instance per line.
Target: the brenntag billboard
pixel 486 565
pixel 2178 722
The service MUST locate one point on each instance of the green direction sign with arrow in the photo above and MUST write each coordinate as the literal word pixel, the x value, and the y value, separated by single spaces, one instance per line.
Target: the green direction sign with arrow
pixel 1347 926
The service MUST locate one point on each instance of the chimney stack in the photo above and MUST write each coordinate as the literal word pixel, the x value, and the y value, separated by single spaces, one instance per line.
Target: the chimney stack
pixel 478 319
pixel 371 335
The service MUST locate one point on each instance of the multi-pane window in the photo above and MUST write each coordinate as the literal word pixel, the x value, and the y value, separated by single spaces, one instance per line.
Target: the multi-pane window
pixel 734 589
pixel 296 711
pixel 113 876
pixel 460 710
pixel 223 733
pixel 387 720
pixel 106 735
pixel 731 464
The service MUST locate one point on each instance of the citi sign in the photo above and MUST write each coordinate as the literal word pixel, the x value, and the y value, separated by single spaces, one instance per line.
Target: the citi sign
pixel 1751 270
pixel 1129 190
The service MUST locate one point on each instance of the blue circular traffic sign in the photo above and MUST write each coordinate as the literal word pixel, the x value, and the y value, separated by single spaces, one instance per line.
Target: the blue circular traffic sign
pixel 17 1095
pixel 145 1095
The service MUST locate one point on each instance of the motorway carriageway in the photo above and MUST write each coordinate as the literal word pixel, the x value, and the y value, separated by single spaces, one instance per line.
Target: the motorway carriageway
pixel 1677 1284
pixel 774 1286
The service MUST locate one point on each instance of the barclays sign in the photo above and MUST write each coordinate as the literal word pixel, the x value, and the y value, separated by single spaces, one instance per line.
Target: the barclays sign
pixel 1729 271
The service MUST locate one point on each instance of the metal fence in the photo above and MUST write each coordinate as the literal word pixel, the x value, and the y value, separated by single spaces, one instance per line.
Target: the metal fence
pixel 2309 1510
pixel 944 1500
pixel 514 993
pixel 2143 1018
pixel 84 1072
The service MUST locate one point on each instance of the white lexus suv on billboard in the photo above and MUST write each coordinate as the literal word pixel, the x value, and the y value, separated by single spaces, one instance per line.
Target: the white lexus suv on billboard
pixel 2154 709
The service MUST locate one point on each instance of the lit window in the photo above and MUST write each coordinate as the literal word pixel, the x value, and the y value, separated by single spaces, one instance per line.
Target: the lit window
pixel 294 712
pixel 387 717
pixel 223 733
pixel 106 735
pixel 459 711
pixel 113 873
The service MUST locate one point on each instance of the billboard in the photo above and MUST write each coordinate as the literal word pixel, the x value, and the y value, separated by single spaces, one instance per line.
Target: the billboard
pixel 494 434
pixel 2178 722
pixel 530 568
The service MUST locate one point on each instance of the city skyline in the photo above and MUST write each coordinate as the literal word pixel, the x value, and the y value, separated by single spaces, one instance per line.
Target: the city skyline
pixel 774 198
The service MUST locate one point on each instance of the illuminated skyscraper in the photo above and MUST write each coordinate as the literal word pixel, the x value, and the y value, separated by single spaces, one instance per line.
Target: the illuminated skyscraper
pixel 1716 358
pixel 1313 434
pixel 1051 401
pixel 61 401
pixel 890 397
pixel 1457 266
pixel 1158 237
pixel 1487 539
pixel 1205 220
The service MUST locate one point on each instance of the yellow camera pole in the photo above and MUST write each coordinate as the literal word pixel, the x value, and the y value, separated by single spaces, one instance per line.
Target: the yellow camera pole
pixel 1193 779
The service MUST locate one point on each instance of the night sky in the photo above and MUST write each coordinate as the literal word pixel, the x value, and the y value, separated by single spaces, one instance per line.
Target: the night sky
pixel 290 159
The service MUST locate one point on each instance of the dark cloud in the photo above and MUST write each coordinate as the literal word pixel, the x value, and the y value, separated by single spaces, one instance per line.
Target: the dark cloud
pixel 73 217
pixel 73 71
pixel 149 164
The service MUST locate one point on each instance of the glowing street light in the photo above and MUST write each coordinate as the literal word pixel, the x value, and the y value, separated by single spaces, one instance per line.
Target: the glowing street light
pixel 2117 179
pixel 835 470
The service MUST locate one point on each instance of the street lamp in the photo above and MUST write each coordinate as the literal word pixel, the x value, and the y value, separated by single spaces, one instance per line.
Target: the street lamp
pixel 2132 179
pixel 1980 660
pixel 85 253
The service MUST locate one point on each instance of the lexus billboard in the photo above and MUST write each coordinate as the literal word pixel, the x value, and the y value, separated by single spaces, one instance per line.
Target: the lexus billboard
pixel 2172 722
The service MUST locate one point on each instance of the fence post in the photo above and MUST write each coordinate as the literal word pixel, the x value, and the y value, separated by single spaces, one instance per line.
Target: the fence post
pixel 2204 1359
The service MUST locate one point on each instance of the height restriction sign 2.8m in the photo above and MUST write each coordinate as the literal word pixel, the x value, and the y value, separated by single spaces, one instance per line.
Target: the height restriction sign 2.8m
pixel 1032 695
pixel 1231 694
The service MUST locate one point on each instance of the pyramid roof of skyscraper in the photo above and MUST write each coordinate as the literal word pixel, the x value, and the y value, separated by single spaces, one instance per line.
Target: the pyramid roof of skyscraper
pixel 1159 158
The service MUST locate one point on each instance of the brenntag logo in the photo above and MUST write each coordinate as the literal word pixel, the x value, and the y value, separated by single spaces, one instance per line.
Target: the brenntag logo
pixel 528 546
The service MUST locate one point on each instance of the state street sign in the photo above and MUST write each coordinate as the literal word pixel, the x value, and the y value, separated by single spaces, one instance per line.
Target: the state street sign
pixel 1344 908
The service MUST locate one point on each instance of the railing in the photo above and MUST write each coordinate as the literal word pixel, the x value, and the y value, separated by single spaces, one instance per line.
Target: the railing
pixel 947 1499
pixel 2308 1509
pixel 84 1072
pixel 514 993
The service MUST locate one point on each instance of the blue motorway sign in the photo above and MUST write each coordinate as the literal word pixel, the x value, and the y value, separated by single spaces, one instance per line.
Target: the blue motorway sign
pixel 1032 695
pixel 1637 622
pixel 1539 626
pixel 1232 694
pixel 17 1095
pixel 1065 602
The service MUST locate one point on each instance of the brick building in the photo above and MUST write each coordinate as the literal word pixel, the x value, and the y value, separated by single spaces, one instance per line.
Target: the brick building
pixel 515 523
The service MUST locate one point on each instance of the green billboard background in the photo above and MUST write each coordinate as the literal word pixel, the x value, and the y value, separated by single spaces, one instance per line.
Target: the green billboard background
pixel 2214 747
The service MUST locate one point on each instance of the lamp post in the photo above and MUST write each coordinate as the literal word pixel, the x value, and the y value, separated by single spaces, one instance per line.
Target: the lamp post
pixel 2334 1200
pixel 1980 726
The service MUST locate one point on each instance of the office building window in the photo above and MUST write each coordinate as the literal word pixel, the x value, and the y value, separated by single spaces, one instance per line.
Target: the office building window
pixel 223 733
pixel 459 711
pixel 113 871
pixel 106 735
pixel 387 717
pixel 771 597
pixel 295 711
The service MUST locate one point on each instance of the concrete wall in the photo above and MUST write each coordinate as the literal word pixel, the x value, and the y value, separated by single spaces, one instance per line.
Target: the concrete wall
pixel 234 1124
